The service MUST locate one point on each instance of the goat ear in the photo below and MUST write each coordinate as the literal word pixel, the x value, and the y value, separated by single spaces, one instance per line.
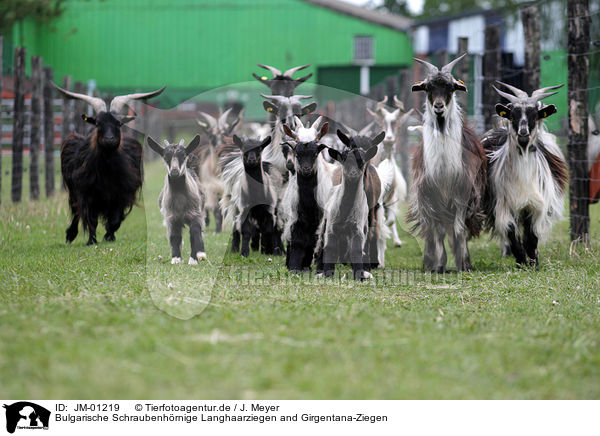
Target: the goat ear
pixel 321 147
pixel 309 108
pixel 418 86
pixel 237 141
pixel 155 146
pixel 270 107
pixel 193 144
pixel 371 152
pixel 503 111
pixel 335 155
pixel 87 119
pixel 546 111
pixel 289 132
pixel 459 85
pixel 345 140
pixel 265 142
pixel 263 79
pixel 324 130
pixel 125 120
pixel 376 140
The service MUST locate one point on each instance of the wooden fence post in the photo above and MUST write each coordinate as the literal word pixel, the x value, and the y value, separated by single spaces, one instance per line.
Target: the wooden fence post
pixel 531 31
pixel 80 108
pixel 66 107
pixel 18 125
pixel 578 66
pixel 462 72
pixel 35 138
pixel 492 60
pixel 1 67
pixel 49 131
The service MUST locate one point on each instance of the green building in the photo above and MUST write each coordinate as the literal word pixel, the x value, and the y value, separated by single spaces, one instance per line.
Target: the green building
pixel 194 46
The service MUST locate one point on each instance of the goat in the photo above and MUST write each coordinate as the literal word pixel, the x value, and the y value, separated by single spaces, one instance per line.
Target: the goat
pixel 102 171
pixel 181 200
pixel 527 173
pixel 250 204
pixel 282 84
pixel 448 173
pixel 393 183
pixel 306 193
pixel 345 225
pixel 215 129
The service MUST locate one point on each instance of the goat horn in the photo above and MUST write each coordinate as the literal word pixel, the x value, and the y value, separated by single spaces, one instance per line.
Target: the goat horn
pixel 120 101
pixel 212 121
pixel 273 70
pixel 430 67
pixel 537 97
pixel 399 104
pixel 516 91
pixel 317 122
pixel 223 117
pixel 291 71
pixel 365 130
pixel 538 94
pixel 97 103
pixel 278 98
pixel 298 122
pixel 381 104
pixel 506 95
pixel 300 96
pixel 448 67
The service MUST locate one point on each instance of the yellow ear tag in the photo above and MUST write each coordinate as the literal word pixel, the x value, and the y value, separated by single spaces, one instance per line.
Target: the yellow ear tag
pixel 502 114
pixel 269 109
pixel 85 118
pixel 263 78
pixel 461 81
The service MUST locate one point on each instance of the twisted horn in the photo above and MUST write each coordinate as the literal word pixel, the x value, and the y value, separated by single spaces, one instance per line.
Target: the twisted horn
pixel 516 91
pixel 97 103
pixel 399 104
pixel 291 71
pixel 212 121
pixel 117 103
pixel 506 95
pixel 448 67
pixel 381 104
pixel 273 70
pixel 430 67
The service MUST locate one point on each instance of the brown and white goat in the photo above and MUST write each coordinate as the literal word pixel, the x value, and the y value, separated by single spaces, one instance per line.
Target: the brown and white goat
pixel 448 173
pixel 215 130
pixel 527 173
pixel 103 170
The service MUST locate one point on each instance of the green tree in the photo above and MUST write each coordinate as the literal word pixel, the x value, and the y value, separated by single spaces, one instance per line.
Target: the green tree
pixel 15 11
pixel 395 7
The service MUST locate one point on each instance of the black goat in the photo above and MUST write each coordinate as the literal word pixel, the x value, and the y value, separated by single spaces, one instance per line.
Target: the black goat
pixel 282 83
pixel 102 171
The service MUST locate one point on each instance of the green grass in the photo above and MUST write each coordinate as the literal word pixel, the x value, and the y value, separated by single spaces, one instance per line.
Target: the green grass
pixel 86 322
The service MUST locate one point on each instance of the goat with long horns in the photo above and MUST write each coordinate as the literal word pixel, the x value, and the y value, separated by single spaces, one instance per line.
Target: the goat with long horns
pixel 282 83
pixel 527 173
pixel 448 172
pixel 102 171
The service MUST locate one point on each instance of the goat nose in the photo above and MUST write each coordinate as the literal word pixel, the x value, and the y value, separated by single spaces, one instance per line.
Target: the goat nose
pixel 438 105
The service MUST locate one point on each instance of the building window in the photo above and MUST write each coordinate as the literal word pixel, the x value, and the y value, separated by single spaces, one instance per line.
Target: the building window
pixel 363 49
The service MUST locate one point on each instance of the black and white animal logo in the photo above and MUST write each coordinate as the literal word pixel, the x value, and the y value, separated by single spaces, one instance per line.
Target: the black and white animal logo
pixel 26 415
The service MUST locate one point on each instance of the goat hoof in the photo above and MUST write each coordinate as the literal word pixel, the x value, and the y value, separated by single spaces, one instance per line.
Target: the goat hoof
pixel 201 255
pixel 110 237
pixel 175 260
pixel 91 242
pixel 398 243
pixel 192 261
pixel 245 253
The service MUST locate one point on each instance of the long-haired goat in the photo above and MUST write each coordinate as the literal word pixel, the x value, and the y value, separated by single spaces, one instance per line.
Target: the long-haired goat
pixel 181 200
pixel 282 83
pixel 344 230
pixel 306 193
pixel 250 203
pixel 527 173
pixel 393 183
pixel 448 173
pixel 210 174
pixel 103 170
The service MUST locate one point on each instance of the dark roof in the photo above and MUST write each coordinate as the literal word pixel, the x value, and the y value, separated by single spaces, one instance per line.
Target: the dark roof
pixel 451 17
pixel 393 21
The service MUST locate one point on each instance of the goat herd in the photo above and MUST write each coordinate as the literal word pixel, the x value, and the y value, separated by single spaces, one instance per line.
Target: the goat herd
pixel 293 187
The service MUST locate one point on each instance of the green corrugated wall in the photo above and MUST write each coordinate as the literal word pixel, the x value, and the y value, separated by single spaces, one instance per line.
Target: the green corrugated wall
pixel 195 45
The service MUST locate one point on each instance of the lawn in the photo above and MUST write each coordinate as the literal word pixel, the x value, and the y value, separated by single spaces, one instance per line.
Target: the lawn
pixel 117 320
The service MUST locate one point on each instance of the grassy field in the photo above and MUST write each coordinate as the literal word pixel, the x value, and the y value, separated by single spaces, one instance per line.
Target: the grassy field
pixel 110 321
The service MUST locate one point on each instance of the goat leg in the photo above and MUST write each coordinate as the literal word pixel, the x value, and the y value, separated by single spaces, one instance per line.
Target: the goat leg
pixel 515 245
pixel 196 242
pixel 461 252
pixel 530 241
pixel 235 241
pixel 73 229
pixel 246 235
pixel 92 223
pixel 113 223
pixel 356 258
pixel 218 219
pixel 255 241
pixel 174 235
